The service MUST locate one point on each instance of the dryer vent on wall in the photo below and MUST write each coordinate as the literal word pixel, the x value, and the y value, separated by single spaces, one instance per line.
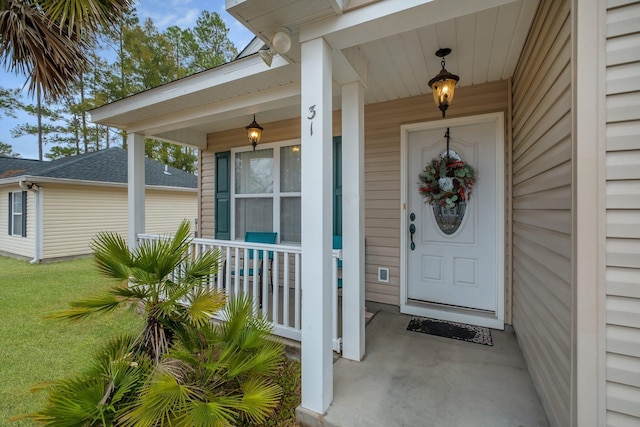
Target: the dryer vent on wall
pixel 383 274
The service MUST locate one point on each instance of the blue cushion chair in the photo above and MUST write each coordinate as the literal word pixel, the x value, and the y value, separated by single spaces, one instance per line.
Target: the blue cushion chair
pixel 259 237
pixel 337 244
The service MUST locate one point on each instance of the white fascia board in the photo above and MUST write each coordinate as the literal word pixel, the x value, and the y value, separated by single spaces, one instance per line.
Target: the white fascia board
pixel 15 179
pixel 389 17
pixel 232 71
pixel 277 97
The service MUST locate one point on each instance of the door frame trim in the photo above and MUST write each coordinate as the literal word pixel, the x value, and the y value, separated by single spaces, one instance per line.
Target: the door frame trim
pixel 443 312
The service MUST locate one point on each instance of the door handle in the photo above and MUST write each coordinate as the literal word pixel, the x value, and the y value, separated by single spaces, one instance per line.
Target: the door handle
pixel 412 230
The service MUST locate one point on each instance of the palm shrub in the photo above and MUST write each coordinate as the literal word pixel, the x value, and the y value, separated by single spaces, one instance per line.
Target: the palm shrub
pixel 220 375
pixel 182 370
pixel 159 277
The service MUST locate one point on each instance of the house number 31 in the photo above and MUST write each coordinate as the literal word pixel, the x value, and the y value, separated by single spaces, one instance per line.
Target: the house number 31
pixel 311 116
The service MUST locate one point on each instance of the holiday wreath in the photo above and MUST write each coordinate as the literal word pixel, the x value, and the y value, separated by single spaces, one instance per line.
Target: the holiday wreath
pixel 446 181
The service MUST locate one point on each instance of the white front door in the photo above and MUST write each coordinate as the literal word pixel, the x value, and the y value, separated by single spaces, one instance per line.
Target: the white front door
pixel 458 270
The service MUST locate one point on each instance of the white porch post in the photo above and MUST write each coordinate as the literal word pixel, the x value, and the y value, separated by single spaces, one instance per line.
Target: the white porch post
pixel 353 346
pixel 135 171
pixel 317 148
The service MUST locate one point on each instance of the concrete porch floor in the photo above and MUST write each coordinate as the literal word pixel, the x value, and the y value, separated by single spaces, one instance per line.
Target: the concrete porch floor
pixel 414 379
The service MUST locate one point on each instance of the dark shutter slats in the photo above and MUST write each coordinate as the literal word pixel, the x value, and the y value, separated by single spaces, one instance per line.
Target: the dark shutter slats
pixel 222 207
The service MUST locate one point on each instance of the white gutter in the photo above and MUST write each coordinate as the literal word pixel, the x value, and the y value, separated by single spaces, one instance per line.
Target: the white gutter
pixel 70 181
pixel 39 221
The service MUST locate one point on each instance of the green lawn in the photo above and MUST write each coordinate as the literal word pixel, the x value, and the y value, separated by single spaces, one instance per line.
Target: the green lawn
pixel 34 349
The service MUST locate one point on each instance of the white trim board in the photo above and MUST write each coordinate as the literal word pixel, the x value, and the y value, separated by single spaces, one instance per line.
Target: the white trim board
pixel 481 318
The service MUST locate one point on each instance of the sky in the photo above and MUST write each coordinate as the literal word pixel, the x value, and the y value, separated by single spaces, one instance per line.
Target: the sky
pixel 164 13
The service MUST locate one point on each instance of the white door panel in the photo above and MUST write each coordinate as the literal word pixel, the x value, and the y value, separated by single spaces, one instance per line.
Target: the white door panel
pixel 457 269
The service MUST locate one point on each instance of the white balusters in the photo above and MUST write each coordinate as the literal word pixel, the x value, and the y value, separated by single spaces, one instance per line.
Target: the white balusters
pixel 272 277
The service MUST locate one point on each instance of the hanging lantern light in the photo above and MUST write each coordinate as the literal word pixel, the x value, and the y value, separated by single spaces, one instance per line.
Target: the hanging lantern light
pixel 443 85
pixel 254 131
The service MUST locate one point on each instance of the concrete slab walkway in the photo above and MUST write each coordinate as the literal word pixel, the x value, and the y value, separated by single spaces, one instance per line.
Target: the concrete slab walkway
pixel 414 379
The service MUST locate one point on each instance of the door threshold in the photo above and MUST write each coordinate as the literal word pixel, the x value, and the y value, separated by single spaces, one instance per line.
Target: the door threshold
pixel 450 313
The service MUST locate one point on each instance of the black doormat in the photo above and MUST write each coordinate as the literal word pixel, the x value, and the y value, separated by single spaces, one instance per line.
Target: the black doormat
pixel 457 331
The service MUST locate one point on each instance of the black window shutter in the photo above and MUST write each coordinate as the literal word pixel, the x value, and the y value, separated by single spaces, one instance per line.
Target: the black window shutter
pixel 337 186
pixel 10 222
pixel 24 214
pixel 222 202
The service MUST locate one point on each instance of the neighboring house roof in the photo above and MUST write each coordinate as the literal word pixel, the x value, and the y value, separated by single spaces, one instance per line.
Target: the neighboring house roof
pixel 108 166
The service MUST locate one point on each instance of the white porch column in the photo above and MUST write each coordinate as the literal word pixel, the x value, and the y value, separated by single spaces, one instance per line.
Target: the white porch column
pixel 135 173
pixel 353 346
pixel 317 148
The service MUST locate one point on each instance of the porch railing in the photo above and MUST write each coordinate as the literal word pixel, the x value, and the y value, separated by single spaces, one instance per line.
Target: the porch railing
pixel 271 274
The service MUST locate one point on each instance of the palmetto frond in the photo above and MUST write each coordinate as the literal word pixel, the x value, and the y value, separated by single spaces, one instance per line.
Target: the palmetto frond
pixel 161 402
pixel 83 15
pixel 46 39
pixel 239 313
pixel 202 304
pixel 73 402
pixel 214 413
pixel 33 44
pixel 91 399
pixel 259 399
pixel 155 260
pixel 200 268
pixel 112 256
pixel 84 308
pixel 117 296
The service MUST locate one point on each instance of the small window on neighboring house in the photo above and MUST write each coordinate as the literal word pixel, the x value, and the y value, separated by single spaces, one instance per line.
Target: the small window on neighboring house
pixel 18 213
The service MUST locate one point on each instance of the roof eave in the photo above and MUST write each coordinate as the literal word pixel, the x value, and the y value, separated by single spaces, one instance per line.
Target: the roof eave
pixel 232 71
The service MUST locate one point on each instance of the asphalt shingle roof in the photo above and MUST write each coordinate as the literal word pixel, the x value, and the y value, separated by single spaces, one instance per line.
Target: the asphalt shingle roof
pixel 103 166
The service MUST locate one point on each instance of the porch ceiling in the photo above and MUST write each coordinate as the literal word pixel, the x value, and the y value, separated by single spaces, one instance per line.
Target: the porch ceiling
pixel 486 38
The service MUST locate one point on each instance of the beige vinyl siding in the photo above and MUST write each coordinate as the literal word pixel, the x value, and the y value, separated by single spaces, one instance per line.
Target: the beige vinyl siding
pixel 382 170
pixel 542 200
pixel 206 193
pixel 165 210
pixel 74 214
pixel 17 245
pixel 623 214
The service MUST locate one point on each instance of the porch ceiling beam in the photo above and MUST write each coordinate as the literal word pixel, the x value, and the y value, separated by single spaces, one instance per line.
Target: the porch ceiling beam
pixel 389 17
pixel 350 65
pixel 336 5
pixel 231 72
pixel 186 137
pixel 278 97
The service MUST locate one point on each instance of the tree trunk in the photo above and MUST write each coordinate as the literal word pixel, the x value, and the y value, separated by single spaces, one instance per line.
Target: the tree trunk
pixel 76 134
pixel 40 142
pixel 84 115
